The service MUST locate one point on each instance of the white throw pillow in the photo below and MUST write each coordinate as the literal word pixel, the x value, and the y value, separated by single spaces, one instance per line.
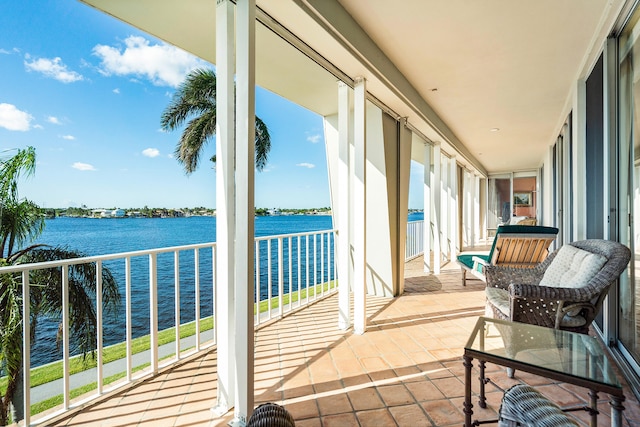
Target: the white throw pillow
pixel 572 268
pixel 516 219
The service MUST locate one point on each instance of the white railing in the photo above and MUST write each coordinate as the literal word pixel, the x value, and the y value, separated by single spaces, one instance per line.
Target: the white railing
pixel 304 266
pixel 291 271
pixel 415 240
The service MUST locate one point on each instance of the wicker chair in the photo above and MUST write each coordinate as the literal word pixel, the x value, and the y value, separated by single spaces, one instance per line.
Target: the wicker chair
pixel 523 405
pixel 271 415
pixel 516 294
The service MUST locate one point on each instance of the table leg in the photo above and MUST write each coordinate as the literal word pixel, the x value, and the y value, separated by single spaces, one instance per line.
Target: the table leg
pixel 593 408
pixel 616 410
pixel 482 401
pixel 468 411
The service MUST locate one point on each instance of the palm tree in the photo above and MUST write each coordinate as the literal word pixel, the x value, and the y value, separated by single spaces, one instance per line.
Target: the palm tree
pixel 196 98
pixel 21 222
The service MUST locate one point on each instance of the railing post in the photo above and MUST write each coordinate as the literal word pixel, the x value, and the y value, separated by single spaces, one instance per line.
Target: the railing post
pixel 290 240
pixel 65 335
pixel 257 287
pixel 153 311
pixel 196 261
pixel 299 251
pixel 280 278
pixel 127 273
pixel 26 346
pixel 99 369
pixel 176 278
pixel 322 235
pixel 269 278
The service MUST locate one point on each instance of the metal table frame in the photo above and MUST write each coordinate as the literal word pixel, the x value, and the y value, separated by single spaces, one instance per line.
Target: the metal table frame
pixel 470 353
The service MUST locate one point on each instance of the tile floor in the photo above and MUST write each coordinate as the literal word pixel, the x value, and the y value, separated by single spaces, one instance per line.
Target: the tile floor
pixel 406 370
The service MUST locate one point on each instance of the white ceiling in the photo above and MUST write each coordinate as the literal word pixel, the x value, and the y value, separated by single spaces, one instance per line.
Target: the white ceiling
pixel 501 64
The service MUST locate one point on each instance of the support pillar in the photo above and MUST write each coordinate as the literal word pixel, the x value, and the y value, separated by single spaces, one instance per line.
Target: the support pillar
pixel 436 182
pixel 225 207
pixel 245 207
pixel 454 247
pixel 427 209
pixel 343 211
pixel 359 207
pixel 444 208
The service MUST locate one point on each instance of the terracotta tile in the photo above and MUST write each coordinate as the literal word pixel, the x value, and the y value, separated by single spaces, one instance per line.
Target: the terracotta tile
pixel 334 404
pixel 443 412
pixel 311 422
pixel 395 395
pixel 340 420
pixel 364 399
pixel 303 409
pixel 409 416
pixel 424 391
pixel 376 418
pixel 559 395
pixel 450 387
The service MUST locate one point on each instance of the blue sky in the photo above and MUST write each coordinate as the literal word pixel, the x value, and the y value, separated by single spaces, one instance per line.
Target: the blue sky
pixel 87 91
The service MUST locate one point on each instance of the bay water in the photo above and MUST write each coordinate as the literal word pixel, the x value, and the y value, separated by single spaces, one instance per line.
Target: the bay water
pixel 93 236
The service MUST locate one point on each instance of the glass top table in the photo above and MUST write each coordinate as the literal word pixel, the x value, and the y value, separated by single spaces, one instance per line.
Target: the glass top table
pixel 551 353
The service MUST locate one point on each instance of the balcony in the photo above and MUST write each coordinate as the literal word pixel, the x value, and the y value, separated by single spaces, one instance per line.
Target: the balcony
pixel 406 370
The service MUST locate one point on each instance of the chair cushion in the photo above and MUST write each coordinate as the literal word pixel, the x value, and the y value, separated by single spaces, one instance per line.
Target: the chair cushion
pixel 516 219
pixel 499 298
pixel 467 259
pixel 572 268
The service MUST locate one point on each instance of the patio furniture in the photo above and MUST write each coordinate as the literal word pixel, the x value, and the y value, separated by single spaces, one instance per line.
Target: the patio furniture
pixel 562 356
pixel 516 246
pixel 271 415
pixel 523 405
pixel 563 292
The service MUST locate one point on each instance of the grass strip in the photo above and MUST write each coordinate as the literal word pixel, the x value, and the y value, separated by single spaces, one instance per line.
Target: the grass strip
pixel 53 371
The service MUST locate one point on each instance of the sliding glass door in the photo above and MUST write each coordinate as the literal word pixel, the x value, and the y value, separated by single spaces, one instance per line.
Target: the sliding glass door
pixel 628 315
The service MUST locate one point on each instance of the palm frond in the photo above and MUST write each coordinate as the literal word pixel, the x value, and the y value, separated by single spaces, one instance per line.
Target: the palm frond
pixel 195 96
pixel 23 162
pixel 263 144
pixel 198 132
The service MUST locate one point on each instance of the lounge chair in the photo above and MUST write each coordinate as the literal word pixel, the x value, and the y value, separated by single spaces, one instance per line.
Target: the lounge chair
pixel 519 246
pixel 564 292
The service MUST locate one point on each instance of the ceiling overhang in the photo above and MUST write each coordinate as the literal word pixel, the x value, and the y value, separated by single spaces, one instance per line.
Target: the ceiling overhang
pixel 456 70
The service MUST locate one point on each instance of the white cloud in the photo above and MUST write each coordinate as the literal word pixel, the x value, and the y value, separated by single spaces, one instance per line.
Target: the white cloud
pixel 5 52
pixel 306 165
pixel 83 166
pixel 314 139
pixel 53 120
pixel 68 137
pixel 116 90
pixel 162 64
pixel 151 152
pixel 53 68
pixel 38 127
pixel 13 119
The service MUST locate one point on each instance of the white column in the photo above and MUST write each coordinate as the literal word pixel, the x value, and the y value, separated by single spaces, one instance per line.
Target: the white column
pixel 444 208
pixel 225 206
pixel 477 227
pixel 453 209
pixel 466 209
pixel 245 206
pixel 473 219
pixel 436 183
pixel 344 294
pixel 427 209
pixel 359 207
